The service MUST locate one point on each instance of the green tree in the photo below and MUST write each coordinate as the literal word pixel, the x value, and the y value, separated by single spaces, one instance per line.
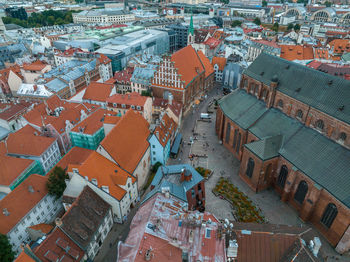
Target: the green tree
pixel 146 93
pixel 290 26
pixel 50 20
pixel 328 4
pixel 6 252
pixel 264 3
pixel 236 23
pixel 56 183
pixel 257 21
pixel 275 27
pixel 297 27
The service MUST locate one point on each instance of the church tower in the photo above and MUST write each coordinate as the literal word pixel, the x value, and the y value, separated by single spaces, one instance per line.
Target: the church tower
pixel 190 37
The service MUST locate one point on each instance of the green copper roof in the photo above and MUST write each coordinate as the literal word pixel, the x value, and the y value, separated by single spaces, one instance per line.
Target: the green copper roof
pixel 191 29
pixel 267 148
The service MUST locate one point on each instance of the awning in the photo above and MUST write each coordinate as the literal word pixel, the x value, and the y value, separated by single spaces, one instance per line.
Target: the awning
pixel 176 145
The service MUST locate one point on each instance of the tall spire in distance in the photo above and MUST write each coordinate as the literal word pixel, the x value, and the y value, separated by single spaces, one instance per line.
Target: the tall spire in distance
pixel 190 37
pixel 191 30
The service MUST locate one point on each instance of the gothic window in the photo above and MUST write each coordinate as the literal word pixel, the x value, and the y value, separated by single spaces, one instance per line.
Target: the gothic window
pixel 280 103
pixel 245 83
pixel 264 94
pixel 238 143
pixel 250 167
pixel 299 114
pixel 235 138
pixel 282 176
pixel 301 192
pixel 319 125
pixel 329 215
pixel 342 136
pixel 228 131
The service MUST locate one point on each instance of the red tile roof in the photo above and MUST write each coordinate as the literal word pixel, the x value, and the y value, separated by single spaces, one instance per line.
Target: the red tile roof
pixel 28 141
pixel 220 61
pixel 106 173
pixel 268 43
pixel 12 167
pixel 165 130
pixel 44 228
pixel 23 257
pixel 21 200
pixel 212 42
pixel 35 66
pixel 188 63
pixel 98 91
pixel 75 156
pixel 92 123
pixel 14 110
pixel 321 53
pixel 206 63
pixel 133 98
pixel 104 59
pixel 175 106
pixel 111 120
pixel 296 52
pixel 127 142
pixel 124 76
pixel 59 246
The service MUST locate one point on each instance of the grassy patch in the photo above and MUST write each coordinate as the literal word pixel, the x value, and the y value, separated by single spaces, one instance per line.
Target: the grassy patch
pixel 246 211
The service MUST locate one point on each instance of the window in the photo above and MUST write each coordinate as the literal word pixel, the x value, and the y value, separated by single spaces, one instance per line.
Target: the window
pixel 199 187
pixel 228 131
pixel 38 218
pixel 280 103
pixel 300 194
pixel 329 215
pixel 192 192
pixel 20 237
pixel 128 185
pixel 153 146
pixel 264 93
pixel 16 230
pixel 238 143
pixel 42 213
pixel 342 136
pixel 138 107
pixel 282 176
pixel 123 106
pixel 319 125
pixel 250 167
pixel 235 138
pixel 132 107
pixel 299 114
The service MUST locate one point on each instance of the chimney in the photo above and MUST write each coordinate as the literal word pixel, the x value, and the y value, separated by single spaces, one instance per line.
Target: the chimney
pixel 58 222
pixel 188 177
pixel 182 178
pixel 148 254
pixel 5 212
pixel 30 189
pixel 170 99
pixel 232 249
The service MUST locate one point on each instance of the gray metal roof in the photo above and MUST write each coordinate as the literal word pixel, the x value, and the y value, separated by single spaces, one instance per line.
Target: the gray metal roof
pixel 267 148
pixel 324 161
pixel 242 108
pixel 322 91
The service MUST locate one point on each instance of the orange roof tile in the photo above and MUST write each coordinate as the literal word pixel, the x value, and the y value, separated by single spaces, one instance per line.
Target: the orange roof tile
pixel 296 52
pixel 92 123
pixel 106 173
pixel 188 63
pixel 127 142
pixel 206 63
pixel 111 120
pixel 12 168
pixel 212 42
pixel 340 46
pixel 76 156
pixel 28 141
pixel 35 66
pixel 321 53
pixel 44 228
pixel 23 257
pixel 165 130
pixel 220 61
pixel 98 91
pixel 20 201
pixel 104 59
pixel 133 98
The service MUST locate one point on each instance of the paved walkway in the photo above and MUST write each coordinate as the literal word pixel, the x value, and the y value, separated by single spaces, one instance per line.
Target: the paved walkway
pixel 224 164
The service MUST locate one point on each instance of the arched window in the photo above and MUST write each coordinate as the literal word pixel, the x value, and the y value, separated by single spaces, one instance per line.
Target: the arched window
pixel 228 131
pixel 238 143
pixel 342 136
pixel 301 192
pixel 256 91
pixel 235 138
pixel 282 176
pixel 319 125
pixel 329 215
pixel 250 167
pixel 264 94
pixel 299 114
pixel 267 172
pixel 245 83
pixel 280 103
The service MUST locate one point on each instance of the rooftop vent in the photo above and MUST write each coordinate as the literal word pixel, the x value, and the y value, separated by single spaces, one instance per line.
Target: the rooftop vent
pixel 330 82
pixel 341 108
pixel 5 212
pixel 262 73
pixel 30 189
pixel 298 90
pixel 287 66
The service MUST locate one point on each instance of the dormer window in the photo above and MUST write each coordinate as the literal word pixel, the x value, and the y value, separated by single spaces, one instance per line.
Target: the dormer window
pixel 94 181
pixel 123 106
pixel 132 107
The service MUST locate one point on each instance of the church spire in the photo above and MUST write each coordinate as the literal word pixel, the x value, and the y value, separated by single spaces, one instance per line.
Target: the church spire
pixel 191 30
